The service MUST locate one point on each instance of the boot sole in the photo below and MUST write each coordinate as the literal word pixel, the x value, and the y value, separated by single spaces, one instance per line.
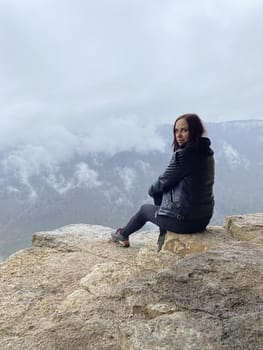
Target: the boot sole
pixel 121 243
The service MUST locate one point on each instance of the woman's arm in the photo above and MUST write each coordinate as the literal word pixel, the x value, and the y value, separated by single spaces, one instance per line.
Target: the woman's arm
pixel 178 168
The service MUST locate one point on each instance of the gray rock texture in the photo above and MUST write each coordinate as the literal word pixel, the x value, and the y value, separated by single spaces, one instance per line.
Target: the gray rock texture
pixel 75 289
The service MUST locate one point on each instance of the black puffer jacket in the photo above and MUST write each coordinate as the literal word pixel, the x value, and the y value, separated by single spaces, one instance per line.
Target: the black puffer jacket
pixel 187 183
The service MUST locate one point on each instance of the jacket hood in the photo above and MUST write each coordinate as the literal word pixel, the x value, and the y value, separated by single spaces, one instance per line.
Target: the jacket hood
pixel 204 146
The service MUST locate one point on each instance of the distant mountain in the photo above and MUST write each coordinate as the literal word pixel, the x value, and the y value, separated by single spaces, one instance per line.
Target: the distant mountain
pixel 239 167
pixel 99 188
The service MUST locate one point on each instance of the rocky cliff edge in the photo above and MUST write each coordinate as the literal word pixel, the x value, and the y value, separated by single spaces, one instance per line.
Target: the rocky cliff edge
pixel 74 289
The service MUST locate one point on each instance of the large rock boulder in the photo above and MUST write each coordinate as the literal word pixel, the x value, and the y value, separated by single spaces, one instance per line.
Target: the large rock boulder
pixel 211 300
pixel 75 289
pixel 246 227
pixel 238 227
pixel 184 244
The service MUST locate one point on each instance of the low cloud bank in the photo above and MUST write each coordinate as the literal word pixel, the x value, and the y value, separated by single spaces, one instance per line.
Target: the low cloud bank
pixel 40 149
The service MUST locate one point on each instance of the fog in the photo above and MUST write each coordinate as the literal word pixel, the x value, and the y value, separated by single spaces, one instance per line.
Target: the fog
pixel 81 76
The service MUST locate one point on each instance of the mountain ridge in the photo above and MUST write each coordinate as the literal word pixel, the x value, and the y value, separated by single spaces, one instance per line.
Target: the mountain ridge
pixel 98 188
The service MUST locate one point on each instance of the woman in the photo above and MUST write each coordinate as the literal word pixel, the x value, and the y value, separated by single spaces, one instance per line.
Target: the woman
pixel 183 194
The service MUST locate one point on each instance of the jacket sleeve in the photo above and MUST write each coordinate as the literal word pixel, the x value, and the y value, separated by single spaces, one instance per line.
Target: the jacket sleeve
pixel 177 169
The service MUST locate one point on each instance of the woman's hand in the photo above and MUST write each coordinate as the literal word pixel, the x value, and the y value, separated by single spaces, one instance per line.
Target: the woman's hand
pixel 151 191
pixel 154 189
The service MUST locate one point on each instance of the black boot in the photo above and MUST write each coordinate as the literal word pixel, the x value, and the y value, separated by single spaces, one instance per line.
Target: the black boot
pixel 121 240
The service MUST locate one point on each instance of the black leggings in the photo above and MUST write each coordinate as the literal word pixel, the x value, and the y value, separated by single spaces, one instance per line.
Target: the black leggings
pixel 148 212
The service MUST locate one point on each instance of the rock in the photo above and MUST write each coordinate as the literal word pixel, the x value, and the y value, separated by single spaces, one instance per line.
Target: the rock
pixel 177 331
pixel 183 244
pixel 75 289
pixel 246 227
pixel 217 305
pixel 71 238
pixel 103 278
pixel 148 258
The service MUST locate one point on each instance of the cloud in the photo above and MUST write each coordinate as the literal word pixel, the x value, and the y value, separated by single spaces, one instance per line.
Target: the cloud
pixel 83 177
pixel 231 154
pixel 144 166
pixel 84 77
pixel 114 195
pixel 28 162
pixel 45 145
pixel 118 134
pixel 233 157
pixel 107 59
pixel 25 162
pixel 128 177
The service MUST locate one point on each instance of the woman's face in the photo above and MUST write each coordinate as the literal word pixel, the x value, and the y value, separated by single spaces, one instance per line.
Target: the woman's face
pixel 181 131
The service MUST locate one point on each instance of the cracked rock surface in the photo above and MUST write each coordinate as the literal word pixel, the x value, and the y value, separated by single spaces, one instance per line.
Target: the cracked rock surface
pixel 75 289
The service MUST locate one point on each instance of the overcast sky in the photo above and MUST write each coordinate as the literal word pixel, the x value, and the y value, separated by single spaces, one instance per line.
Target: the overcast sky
pixel 113 69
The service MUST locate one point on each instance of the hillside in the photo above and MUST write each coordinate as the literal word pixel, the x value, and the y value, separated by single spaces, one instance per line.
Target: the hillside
pixel 40 192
